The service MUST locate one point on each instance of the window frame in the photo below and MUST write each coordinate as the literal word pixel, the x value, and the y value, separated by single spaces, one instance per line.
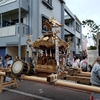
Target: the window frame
pixel 48 3
pixel 47 19
pixel 78 27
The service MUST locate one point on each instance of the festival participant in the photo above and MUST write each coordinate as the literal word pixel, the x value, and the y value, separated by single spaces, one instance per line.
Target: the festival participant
pixel 9 63
pixel 16 57
pixel 95 77
pixel 75 63
pixel 84 64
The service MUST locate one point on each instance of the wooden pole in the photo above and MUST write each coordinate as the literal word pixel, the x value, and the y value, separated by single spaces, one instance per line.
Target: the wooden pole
pixel 63 83
pixel 84 74
pixel 34 78
pixel 1 83
pixel 88 73
pixel 2 73
pixel 79 86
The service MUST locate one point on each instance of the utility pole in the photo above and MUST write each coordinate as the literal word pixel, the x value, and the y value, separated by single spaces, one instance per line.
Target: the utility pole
pixel 19 32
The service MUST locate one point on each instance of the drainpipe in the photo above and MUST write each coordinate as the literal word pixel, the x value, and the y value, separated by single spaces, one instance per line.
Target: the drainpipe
pixel 74 41
pixel 81 36
pixel 19 34
pixel 62 19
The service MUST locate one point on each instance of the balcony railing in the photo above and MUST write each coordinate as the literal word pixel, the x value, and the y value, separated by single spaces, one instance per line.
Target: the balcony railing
pixel 13 30
pixel 7 31
pixel 70 29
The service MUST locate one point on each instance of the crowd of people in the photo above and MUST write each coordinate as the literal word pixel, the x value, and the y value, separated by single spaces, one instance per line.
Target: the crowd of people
pixel 82 62
pixel 78 62
pixel 7 63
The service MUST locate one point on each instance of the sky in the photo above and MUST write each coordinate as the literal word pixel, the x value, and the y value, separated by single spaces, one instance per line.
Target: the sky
pixel 85 9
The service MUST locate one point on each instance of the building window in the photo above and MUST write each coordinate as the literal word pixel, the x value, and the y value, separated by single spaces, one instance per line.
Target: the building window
pixel 77 27
pixel 44 27
pixel 48 3
pixel 18 29
pixel 78 42
pixel 67 36
pixel 27 30
pixel 66 23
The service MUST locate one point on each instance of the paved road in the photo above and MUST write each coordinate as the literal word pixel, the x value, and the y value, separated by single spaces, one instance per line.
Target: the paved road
pixel 28 90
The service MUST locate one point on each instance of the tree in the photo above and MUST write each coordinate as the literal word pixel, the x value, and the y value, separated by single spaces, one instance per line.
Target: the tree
pixel 92 48
pixel 93 29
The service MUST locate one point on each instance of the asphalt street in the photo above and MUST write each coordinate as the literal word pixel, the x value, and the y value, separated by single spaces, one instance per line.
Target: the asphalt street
pixel 28 90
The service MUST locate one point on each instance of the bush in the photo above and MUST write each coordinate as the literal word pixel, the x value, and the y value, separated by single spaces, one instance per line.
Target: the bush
pixel 92 48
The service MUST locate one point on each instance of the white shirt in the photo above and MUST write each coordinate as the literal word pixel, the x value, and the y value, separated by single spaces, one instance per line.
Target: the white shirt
pixel 9 62
pixel 83 63
pixel 75 64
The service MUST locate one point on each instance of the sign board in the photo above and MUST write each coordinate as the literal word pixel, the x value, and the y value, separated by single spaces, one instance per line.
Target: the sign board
pixel 92 56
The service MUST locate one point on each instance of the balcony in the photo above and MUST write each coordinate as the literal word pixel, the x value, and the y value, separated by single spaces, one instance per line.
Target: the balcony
pixel 78 49
pixel 9 5
pixel 7 31
pixel 78 35
pixel 69 29
pixel 13 30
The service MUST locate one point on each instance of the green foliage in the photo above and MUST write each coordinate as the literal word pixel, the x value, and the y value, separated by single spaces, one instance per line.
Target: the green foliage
pixel 92 27
pixel 92 48
pixel 94 38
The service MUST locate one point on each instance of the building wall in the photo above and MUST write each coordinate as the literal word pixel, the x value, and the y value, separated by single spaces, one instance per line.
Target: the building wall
pixel 37 9
pixel 12 40
pixel 56 12
pixel 23 50
pixel 33 18
pixel 73 28
pixel 12 51
pixel 84 44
